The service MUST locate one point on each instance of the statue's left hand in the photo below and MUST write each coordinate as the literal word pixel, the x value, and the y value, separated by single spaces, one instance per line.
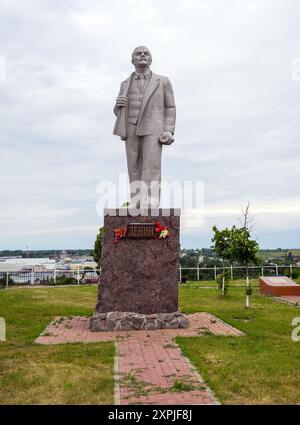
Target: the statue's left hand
pixel 166 138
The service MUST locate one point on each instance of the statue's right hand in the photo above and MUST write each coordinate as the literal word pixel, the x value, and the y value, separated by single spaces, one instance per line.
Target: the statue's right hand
pixel 122 101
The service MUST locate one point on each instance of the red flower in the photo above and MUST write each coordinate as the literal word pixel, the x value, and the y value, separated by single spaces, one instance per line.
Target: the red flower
pixel 120 234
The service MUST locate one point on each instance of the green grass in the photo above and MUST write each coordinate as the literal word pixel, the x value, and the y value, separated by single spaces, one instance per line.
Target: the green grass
pixel 261 368
pixel 213 284
pixel 62 374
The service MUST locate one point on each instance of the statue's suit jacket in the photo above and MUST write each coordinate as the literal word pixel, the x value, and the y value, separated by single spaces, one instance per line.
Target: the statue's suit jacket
pixel 158 112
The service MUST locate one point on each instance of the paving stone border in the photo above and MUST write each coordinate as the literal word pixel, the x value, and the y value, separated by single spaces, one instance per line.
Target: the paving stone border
pixel 126 321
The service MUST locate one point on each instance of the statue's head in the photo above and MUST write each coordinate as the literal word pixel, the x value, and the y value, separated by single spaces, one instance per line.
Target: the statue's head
pixel 141 56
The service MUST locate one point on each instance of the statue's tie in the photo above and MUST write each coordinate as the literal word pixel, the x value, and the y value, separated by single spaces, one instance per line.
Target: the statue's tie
pixel 141 83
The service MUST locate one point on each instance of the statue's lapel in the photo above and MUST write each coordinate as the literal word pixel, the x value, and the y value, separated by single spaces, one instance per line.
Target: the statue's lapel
pixel 126 84
pixel 150 89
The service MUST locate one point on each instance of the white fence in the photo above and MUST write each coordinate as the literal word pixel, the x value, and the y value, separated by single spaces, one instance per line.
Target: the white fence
pixel 48 277
pixel 238 272
pixel 79 276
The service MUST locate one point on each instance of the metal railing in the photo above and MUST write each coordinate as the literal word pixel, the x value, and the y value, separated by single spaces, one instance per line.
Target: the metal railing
pixel 48 277
pixel 80 276
pixel 236 272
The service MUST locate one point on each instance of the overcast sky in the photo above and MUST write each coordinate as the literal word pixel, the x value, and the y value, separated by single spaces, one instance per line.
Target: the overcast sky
pixel 233 67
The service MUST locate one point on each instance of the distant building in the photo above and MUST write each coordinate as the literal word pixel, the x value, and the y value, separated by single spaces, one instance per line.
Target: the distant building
pixel 15 264
pixel 82 263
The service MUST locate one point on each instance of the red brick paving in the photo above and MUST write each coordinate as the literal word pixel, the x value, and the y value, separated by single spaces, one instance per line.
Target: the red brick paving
pixel 149 362
pixel 291 299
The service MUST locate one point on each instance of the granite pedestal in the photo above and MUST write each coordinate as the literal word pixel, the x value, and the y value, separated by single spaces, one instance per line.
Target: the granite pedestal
pixel 138 287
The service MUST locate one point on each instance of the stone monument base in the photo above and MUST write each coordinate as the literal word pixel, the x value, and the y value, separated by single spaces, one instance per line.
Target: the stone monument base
pixel 139 274
pixel 126 321
pixel 138 286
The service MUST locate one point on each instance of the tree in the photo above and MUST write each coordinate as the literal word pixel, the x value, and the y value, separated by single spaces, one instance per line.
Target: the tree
pixel 244 251
pixel 235 244
pixel 97 253
pixel 247 221
pixel 222 245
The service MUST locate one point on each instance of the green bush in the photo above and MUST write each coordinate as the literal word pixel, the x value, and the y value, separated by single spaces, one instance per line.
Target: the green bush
pixel 64 280
pixel 295 273
pixel 3 281
pixel 249 290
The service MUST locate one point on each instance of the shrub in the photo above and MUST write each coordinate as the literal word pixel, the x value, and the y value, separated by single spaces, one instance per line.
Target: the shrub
pixel 295 273
pixel 64 280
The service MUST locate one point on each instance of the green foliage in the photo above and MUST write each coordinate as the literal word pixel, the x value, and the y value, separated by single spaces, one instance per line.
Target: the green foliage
pixel 222 242
pixel 294 275
pixel 97 253
pixel 244 250
pixel 249 290
pixel 63 280
pixel 235 245
pixel 182 386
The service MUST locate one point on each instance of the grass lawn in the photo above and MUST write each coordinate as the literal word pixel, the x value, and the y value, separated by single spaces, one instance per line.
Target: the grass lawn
pixel 62 374
pixel 233 283
pixel 263 367
pixel 214 284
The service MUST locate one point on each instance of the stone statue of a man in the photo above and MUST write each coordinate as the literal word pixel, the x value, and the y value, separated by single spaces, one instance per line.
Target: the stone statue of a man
pixel 145 110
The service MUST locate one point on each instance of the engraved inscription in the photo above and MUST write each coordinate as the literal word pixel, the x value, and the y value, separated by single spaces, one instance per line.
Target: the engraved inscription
pixel 140 230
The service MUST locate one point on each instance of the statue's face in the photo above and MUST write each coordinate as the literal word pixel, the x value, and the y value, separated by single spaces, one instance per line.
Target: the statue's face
pixel 141 56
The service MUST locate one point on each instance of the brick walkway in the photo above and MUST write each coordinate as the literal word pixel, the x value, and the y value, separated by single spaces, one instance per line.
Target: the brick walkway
pixel 150 366
pixel 290 299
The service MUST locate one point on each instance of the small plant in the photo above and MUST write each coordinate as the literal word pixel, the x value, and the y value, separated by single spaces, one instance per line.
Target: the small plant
pixel 63 280
pixel 223 280
pixel 249 290
pixel 180 386
pixel 222 246
pixel 294 275
pixel 139 387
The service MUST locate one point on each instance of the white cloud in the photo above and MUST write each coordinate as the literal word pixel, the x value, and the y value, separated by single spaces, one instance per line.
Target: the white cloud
pixel 3 76
pixel 238 106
